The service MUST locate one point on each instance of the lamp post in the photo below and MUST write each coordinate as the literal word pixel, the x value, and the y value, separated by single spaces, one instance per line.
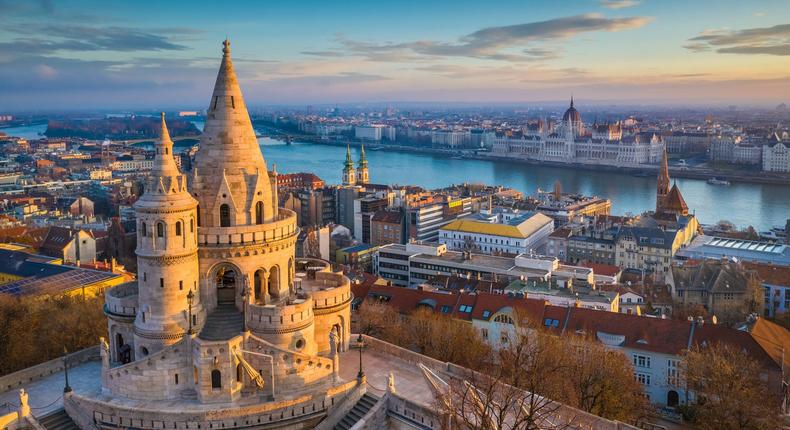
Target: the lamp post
pixel 244 293
pixel 360 345
pixel 190 300
pixel 67 388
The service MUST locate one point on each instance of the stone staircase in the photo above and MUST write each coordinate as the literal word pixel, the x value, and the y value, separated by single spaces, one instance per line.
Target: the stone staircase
pixel 357 412
pixel 58 420
pixel 222 324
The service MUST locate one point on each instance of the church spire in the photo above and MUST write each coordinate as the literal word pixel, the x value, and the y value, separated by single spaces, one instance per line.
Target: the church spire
pixel 349 173
pixel 363 162
pixel 571 100
pixel 349 162
pixel 663 183
pixel 164 164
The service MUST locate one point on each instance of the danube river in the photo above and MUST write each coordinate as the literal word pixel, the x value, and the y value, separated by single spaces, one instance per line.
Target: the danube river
pixel 761 205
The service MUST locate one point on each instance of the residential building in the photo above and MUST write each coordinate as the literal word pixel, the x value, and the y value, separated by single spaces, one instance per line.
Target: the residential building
pixel 388 226
pixel 725 288
pixel 358 257
pixel 364 209
pixel 557 243
pixel 776 287
pixel 776 157
pixel 491 234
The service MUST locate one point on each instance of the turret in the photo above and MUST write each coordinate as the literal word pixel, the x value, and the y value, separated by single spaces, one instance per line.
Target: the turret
pixel 166 254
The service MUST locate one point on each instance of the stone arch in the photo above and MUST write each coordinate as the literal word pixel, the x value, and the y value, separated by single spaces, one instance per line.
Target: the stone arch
pixel 274 281
pixel 227 280
pixel 673 398
pixel 259 286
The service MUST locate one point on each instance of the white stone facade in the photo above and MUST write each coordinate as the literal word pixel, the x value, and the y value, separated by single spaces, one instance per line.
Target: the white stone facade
pixel 221 313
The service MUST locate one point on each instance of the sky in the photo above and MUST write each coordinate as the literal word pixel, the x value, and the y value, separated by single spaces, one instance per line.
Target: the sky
pixel 70 54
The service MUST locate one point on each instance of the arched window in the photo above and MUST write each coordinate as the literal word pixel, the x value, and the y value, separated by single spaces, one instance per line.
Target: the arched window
pixel 239 373
pixel 259 213
pixel 216 379
pixel 504 319
pixel 191 225
pixel 224 215
pixel 197 211
pixel 160 229
pixel 178 228
pixel 143 230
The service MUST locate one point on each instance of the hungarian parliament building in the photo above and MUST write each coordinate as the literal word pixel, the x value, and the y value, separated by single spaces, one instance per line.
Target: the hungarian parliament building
pixel 571 142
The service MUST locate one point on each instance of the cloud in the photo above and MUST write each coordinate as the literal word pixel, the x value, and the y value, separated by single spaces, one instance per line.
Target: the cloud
pixel 619 4
pixel 520 42
pixel 762 40
pixel 53 37
pixel 45 72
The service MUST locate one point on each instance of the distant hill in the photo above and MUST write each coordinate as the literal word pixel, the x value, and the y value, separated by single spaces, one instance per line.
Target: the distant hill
pixel 128 128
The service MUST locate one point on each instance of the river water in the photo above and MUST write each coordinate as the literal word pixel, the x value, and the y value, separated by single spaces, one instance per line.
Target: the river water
pixel 761 205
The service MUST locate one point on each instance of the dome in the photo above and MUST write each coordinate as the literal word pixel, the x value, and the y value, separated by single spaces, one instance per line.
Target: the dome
pixel 572 114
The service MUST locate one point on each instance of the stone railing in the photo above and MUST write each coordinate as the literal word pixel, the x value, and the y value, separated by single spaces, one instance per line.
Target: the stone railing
pixel 39 371
pixel 283 227
pixel 299 412
pixel 282 318
pixel 329 290
pixel 122 300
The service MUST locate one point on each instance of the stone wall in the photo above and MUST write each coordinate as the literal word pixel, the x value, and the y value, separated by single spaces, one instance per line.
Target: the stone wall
pixel 297 413
pixel 293 371
pixel 39 371
pixel 152 377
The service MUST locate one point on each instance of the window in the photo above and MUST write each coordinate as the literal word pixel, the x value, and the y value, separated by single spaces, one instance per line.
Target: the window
pixel 672 372
pixel 641 361
pixel 143 230
pixel 178 228
pixel 224 215
pixel 503 319
pixel 486 314
pixel 216 379
pixel 161 282
pixel 445 309
pixel 176 377
pixel 259 213
pixel 180 285
pixel 191 226
pixel 465 309
pixel 160 229
pixel 642 378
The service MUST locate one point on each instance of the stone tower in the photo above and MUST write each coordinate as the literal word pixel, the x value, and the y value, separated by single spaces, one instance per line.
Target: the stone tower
pixel 167 254
pixel 663 185
pixel 239 221
pixel 363 177
pixel 349 174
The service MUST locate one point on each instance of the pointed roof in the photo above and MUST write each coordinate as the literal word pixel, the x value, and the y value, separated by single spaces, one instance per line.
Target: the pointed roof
pixel 229 157
pixel 675 202
pixel 349 162
pixel 164 164
pixel 663 176
pixel 363 162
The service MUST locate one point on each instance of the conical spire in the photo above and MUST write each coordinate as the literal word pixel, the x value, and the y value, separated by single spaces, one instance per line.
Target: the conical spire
pixel 164 164
pixel 349 162
pixel 571 100
pixel 363 162
pixel 663 176
pixel 229 162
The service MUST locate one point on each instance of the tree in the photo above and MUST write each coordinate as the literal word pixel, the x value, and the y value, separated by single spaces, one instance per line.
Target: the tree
pixel 444 338
pixel 379 320
pixel 730 390
pixel 35 329
pixel 601 381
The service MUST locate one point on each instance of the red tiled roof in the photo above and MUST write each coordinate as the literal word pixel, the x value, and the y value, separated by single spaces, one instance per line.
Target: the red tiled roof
pixel 771 274
pixel 603 269
pixel 666 336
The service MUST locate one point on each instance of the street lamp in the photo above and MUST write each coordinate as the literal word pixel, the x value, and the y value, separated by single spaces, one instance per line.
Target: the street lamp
pixel 67 388
pixel 190 300
pixel 244 294
pixel 360 345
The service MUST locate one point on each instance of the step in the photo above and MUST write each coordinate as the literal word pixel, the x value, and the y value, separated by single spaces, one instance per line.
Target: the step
pixel 58 420
pixel 223 323
pixel 360 409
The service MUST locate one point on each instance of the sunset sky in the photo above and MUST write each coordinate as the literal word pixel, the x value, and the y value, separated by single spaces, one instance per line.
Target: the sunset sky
pixel 124 54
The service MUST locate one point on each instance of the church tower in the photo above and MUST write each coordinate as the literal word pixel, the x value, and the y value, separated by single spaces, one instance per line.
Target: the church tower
pixel 349 174
pixel 663 185
pixel 167 255
pixel 363 177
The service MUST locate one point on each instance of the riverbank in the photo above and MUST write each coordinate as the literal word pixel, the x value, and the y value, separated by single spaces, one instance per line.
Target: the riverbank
pixel 648 170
